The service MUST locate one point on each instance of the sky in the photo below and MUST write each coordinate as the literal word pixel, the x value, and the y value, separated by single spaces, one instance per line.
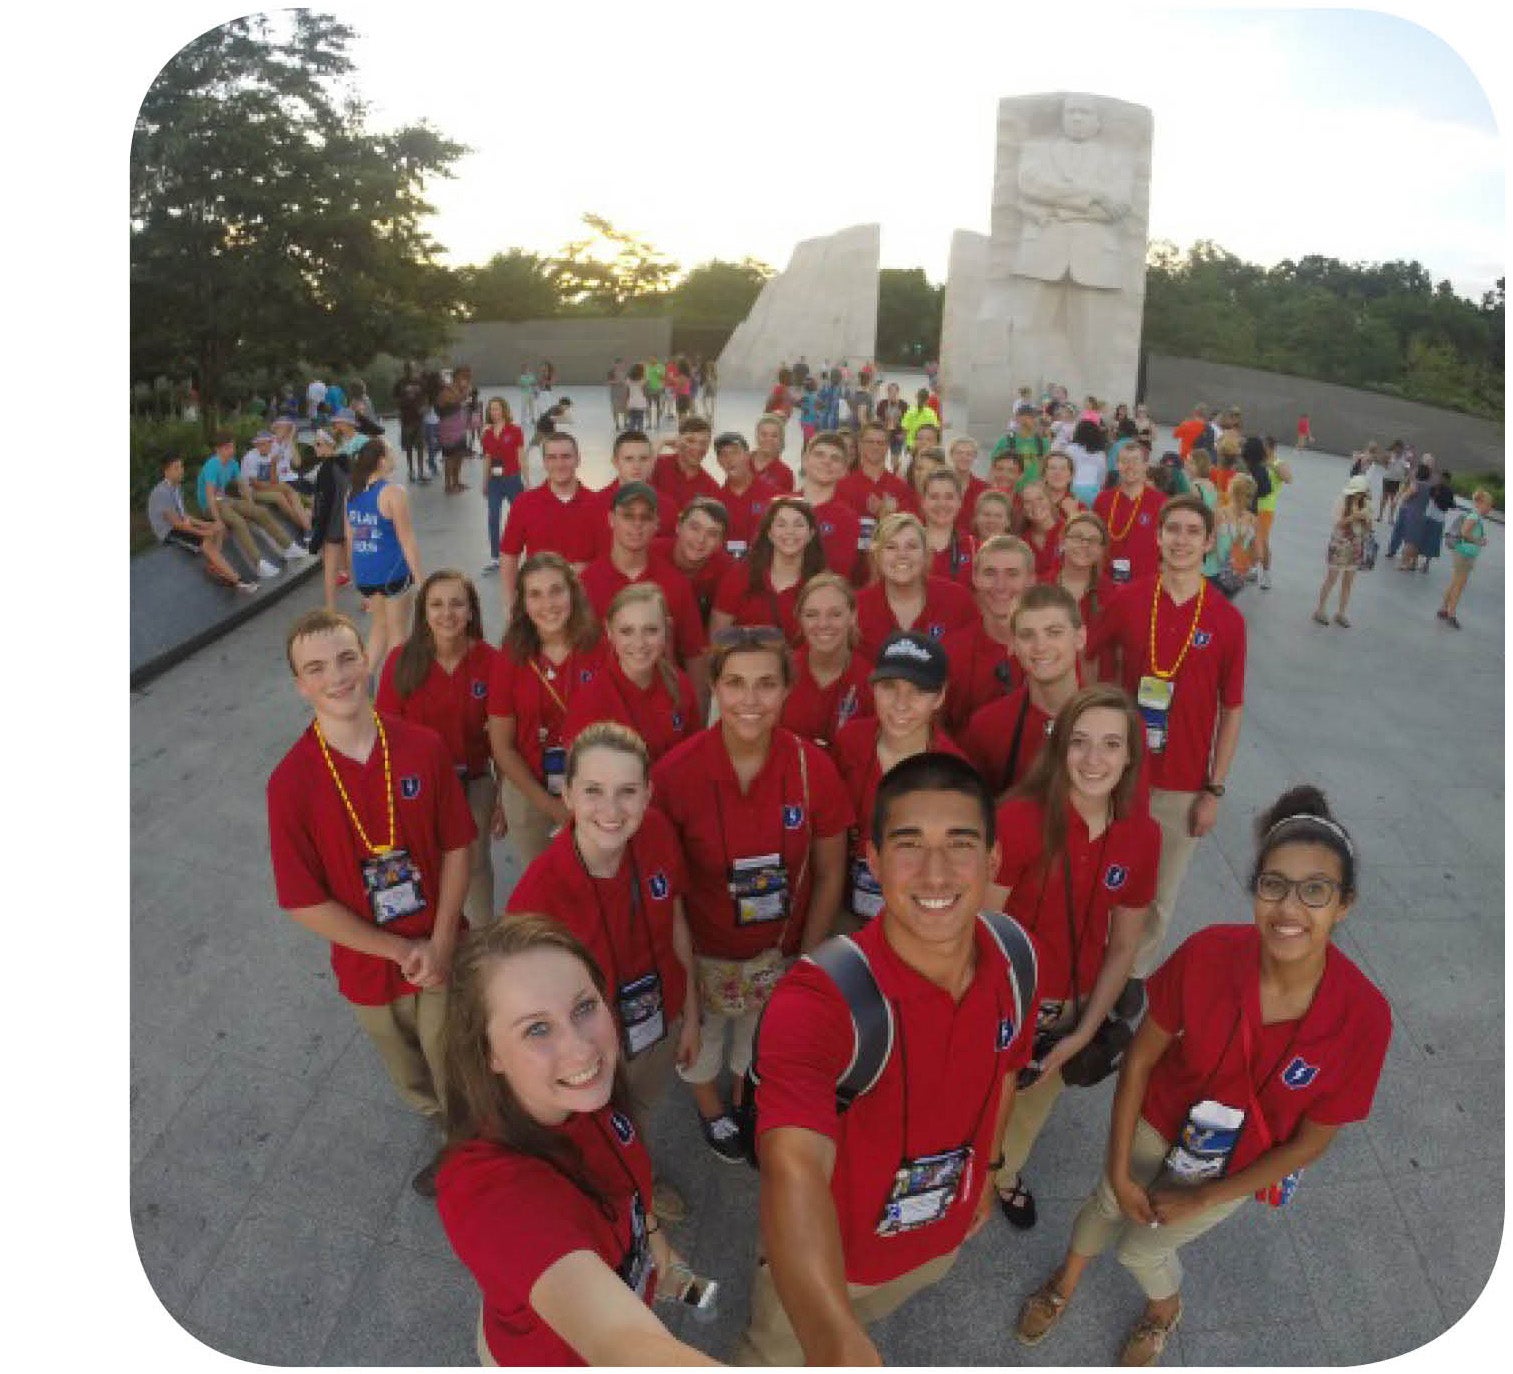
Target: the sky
pixel 733 131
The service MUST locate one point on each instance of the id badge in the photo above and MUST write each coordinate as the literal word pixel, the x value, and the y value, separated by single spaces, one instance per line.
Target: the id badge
pixel 636 1268
pixel 641 1016
pixel 496 470
pixel 923 1191
pixel 736 548
pixel 866 891
pixel 393 885
pixel 868 529
pixel 759 888
pixel 1119 570
pixel 1154 698
pixel 554 769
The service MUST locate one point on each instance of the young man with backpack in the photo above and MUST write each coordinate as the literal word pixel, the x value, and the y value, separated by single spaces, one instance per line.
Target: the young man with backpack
pixel 873 1160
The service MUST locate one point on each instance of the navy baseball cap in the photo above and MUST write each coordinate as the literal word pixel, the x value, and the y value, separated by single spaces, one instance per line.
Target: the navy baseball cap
pixel 913 657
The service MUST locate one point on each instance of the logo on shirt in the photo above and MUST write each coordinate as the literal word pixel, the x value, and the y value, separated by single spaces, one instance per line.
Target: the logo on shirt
pixel 585 675
pixel 677 720
pixel 409 788
pixel 1143 518
pixel 1005 1032
pixel 827 528
pixel 480 689
pixel 1116 877
pixel 620 1124
pixel 1202 639
pixel 793 817
pixel 1299 1073
pixel 657 885
pixel 937 631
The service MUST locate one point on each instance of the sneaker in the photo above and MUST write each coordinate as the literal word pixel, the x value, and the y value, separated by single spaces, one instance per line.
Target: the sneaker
pixel 1265 581
pixel 1148 1340
pixel 1018 1205
pixel 267 569
pixel 723 1136
pixel 295 551
pixel 1040 1313
pixel 248 587
pixel 1342 621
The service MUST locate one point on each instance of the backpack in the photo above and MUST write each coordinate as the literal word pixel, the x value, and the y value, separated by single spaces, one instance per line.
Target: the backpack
pixel 1453 524
pixel 872 1027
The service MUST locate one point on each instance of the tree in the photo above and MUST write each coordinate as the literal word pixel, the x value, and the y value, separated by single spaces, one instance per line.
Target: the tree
pixel 268 224
pixel 719 292
pixel 909 311
pixel 600 284
pixel 516 285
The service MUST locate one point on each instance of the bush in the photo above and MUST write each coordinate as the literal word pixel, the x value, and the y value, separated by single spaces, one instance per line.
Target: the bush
pixel 154 441
pixel 1467 483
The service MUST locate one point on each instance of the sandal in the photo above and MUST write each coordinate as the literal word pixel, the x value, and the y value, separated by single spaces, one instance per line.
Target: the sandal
pixel 1148 1340
pixel 1342 621
pixel 1040 1313
pixel 1320 618
pixel 1018 1205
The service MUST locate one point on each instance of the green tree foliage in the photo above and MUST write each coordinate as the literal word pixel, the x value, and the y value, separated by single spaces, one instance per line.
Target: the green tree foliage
pixel 1380 326
pixel 717 292
pixel 909 311
pixel 516 285
pixel 604 273
pixel 268 223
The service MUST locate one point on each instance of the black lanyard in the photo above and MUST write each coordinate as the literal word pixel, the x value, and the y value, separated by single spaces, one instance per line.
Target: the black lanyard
pixel 630 1178
pixel 1013 761
pixel 719 811
pixel 638 912
pixel 903 1064
pixel 1087 910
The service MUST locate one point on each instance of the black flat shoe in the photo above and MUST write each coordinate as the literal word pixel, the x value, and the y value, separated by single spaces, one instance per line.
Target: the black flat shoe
pixel 1018 1206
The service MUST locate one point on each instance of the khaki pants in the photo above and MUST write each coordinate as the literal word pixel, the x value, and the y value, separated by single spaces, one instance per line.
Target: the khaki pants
pixel 485 1355
pixel 478 906
pixel 1032 1108
pixel 260 515
pixel 407 1033
pixel 530 829
pixel 770 1338
pixel 1149 1253
pixel 276 503
pixel 1170 811
pixel 241 536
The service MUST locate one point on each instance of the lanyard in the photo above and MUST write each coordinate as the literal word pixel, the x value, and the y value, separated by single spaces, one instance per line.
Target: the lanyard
pixel 546 681
pixel 903 1062
pixel 1134 509
pixel 638 912
pixel 362 835
pixel 1075 940
pixel 1176 667
pixel 719 812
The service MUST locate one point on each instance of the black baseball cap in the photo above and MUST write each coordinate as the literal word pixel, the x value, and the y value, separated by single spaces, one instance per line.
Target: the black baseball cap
pixel 913 657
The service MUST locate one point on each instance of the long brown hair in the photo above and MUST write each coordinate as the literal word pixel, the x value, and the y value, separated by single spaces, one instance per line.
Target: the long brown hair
pixel 1048 783
pixel 480 1104
pixel 759 560
pixel 522 640
pixel 418 652
pixel 365 465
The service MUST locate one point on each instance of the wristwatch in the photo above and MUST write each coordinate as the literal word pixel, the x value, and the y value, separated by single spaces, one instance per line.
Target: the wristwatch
pixel 1214 789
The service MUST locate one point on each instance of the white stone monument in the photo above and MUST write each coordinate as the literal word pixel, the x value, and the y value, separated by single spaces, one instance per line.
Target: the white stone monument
pixel 966 274
pixel 1065 281
pixel 823 306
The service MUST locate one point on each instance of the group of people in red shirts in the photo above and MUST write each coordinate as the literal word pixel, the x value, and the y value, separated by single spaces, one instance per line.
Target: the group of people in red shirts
pixel 897 747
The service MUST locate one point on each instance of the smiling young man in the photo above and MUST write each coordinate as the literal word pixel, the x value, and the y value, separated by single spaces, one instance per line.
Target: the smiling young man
pixel 561 515
pixel 369 831
pixel 862 1208
pixel 680 476
pixel 1181 650
pixel 1003 738
pixel 746 494
pixel 633 461
pixel 981 655
pixel 824 466
pixel 1132 512
pixel 871 490
pixel 697 550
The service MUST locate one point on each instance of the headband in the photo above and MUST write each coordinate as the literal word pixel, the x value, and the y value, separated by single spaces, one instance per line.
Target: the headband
pixel 1322 822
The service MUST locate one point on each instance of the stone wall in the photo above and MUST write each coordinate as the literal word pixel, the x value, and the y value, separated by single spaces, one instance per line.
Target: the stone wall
pixel 580 349
pixel 965 274
pixel 1343 418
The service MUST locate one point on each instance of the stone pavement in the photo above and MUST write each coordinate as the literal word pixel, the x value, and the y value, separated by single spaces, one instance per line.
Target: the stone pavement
pixel 270 1161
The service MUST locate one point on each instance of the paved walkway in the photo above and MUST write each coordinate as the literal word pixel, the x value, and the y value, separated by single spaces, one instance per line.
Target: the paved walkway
pixel 270 1161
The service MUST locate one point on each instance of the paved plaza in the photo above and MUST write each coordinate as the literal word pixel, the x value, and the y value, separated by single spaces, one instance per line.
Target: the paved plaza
pixel 271 1159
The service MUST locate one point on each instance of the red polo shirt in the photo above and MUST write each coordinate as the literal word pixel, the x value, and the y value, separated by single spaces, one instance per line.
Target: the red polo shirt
pixel 536 695
pixel 540 520
pixel 948 606
pixel 856 489
pixel 1117 869
pixel 1132 532
pixel 766 607
pixel 704 581
pixel 841 536
pixel 975 488
pixel 502 448
pixel 1212 672
pixel 818 713
pixel 805 1045
pixel 954 562
pixel 510 1217
pixel 695 787
pixel 978 670
pixel 1047 552
pixel 602 580
pixel 675 488
pixel 989 738
pixel 629 938
pixel 746 511
pixel 778 475
pixel 855 754
pixel 455 705
pixel 661 718
pixel 1090 606
pixel 667 519
pixel 318 858
pixel 1323 1067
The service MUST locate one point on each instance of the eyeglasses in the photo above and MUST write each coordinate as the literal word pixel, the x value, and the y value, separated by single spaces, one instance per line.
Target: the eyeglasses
pixel 749 637
pixel 1081 539
pixel 1312 892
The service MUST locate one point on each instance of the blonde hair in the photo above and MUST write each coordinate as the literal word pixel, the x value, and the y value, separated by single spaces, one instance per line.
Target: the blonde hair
pixel 1242 487
pixel 1008 543
pixel 889 527
pixel 648 594
pixel 832 582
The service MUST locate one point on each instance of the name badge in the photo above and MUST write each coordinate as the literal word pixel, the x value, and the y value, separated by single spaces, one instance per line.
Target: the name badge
pixel 923 1190
pixel 759 888
pixel 736 548
pixel 554 769
pixel 641 1016
pixel 393 885
pixel 866 892
pixel 1119 569
pixel 496 469
pixel 1154 698
pixel 868 529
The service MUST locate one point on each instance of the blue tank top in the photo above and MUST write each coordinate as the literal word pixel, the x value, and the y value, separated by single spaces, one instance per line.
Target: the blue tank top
pixel 377 558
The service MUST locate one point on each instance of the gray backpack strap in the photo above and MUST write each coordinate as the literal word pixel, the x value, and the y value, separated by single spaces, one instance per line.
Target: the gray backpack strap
pixel 871 1015
pixel 1010 937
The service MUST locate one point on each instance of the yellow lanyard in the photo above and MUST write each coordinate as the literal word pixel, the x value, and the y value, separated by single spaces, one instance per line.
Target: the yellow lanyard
pixel 545 682
pixel 362 835
pixel 1129 524
pixel 1176 667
